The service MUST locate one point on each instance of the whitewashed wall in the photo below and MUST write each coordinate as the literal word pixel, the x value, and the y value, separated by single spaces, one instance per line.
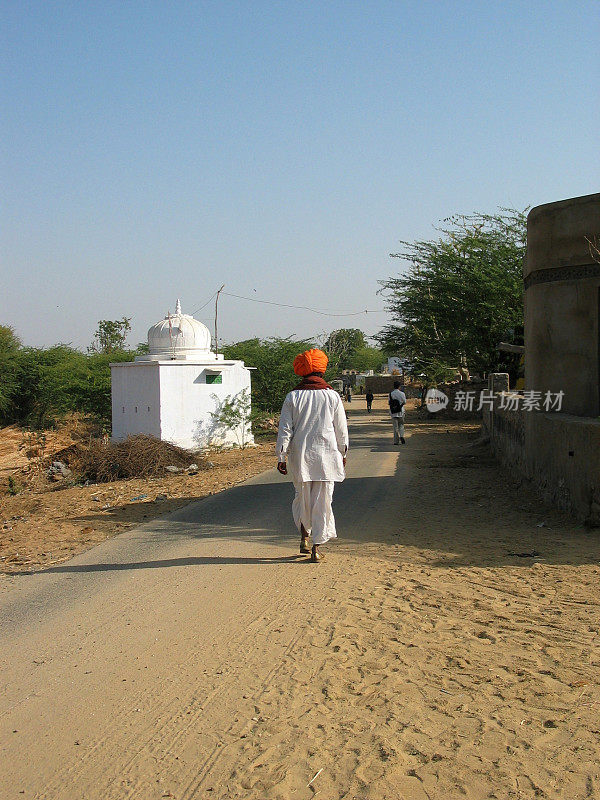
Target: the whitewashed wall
pixel 135 400
pixel 183 403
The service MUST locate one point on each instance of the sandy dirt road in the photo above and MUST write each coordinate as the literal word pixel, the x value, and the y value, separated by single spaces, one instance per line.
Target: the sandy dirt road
pixel 198 657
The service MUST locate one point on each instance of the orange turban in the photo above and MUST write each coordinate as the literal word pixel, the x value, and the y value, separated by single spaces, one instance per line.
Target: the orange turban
pixel 310 361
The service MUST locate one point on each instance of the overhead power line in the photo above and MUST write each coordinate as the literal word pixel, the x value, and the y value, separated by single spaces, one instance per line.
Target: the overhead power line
pixel 212 297
pixel 306 308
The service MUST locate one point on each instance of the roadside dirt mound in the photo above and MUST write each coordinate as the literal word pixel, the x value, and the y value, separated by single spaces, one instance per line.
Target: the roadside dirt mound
pixel 26 451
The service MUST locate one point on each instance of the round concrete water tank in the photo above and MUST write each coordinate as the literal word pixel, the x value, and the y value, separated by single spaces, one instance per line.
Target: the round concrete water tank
pixel 562 303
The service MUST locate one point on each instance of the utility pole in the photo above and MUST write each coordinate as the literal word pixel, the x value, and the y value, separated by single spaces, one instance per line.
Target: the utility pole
pixel 216 320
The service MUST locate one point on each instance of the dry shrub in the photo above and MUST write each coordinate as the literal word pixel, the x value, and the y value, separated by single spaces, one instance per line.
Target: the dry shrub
pixel 34 447
pixel 138 456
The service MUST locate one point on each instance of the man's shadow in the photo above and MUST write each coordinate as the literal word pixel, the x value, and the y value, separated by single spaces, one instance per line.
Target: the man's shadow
pixel 188 561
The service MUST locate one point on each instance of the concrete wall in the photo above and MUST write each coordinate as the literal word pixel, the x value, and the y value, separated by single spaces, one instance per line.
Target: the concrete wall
pixel 559 453
pixel 507 436
pixel 383 384
pixel 470 389
pixel 562 301
pixel 563 456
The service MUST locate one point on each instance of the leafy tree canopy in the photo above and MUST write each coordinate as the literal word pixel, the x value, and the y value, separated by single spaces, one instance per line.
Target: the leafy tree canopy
pixel 366 358
pixel 342 346
pixel 9 341
pixel 461 294
pixel 111 335
pixel 9 349
pixel 41 385
pixel 273 358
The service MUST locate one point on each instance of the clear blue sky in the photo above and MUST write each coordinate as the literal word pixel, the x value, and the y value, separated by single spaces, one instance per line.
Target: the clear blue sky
pixel 152 150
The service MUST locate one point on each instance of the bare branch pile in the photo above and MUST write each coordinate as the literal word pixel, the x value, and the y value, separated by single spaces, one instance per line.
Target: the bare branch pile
pixel 138 456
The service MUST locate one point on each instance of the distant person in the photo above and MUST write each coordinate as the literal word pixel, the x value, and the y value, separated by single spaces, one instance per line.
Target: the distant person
pixel 313 442
pixel 349 395
pixel 397 401
pixel 369 397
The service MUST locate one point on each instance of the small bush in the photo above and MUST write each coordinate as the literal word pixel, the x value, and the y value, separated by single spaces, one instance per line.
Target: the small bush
pixel 233 414
pixel 264 424
pixel 14 485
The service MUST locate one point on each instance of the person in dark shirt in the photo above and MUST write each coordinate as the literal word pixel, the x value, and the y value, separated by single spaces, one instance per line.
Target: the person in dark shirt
pixel 369 398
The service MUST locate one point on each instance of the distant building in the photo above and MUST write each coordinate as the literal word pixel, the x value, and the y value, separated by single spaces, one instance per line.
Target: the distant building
pixel 172 391
pixel 394 365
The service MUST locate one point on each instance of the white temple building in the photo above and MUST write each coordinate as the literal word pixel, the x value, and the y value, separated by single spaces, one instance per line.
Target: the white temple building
pixel 172 392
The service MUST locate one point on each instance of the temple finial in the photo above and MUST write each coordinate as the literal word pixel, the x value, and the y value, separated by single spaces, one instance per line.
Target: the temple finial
pixel 178 307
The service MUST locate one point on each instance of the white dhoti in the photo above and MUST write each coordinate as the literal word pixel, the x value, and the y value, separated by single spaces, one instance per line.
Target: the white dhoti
pixel 311 508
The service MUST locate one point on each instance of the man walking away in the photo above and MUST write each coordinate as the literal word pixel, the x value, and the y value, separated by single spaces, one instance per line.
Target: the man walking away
pixel 313 442
pixel 369 398
pixel 397 401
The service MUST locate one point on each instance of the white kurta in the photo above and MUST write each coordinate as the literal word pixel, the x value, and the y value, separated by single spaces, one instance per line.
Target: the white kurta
pixel 313 439
pixel 313 435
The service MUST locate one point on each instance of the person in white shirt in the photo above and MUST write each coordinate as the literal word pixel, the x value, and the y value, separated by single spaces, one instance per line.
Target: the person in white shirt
pixel 397 401
pixel 313 442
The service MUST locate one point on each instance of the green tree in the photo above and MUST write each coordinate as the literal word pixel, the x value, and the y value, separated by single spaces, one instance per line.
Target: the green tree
pixel 95 392
pixel 463 291
pixel 50 383
pixel 111 335
pixel 55 381
pixel 10 347
pixel 41 385
pixel 342 346
pixel 274 376
pixel 366 358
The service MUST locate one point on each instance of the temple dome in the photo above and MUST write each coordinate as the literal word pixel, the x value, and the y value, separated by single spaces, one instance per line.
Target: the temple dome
pixel 179 336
